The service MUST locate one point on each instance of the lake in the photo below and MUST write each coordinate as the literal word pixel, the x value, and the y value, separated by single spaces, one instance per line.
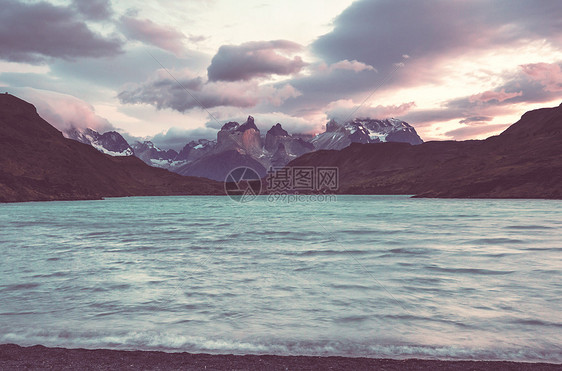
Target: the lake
pixel 376 276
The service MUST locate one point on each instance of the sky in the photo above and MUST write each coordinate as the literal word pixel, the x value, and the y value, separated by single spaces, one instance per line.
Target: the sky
pixel 176 71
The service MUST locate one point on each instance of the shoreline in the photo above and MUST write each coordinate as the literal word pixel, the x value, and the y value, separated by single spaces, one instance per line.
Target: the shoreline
pixel 40 357
pixel 420 197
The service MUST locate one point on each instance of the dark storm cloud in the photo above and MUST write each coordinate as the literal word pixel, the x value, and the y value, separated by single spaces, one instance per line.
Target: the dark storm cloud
pixel 322 87
pixel 93 9
pixel 165 92
pixel 33 32
pixel 254 59
pixel 380 32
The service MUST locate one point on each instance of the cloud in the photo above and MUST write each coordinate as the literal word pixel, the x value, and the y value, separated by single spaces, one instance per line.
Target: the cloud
pixel 34 32
pixel 426 117
pixel 532 83
pixel 176 138
pixel 151 33
pixel 63 111
pixel 265 120
pixel 196 38
pixel 254 59
pixel 498 96
pixel 346 110
pixel 93 9
pixel 163 91
pixel 549 75
pixel 133 66
pixel 323 87
pixel 276 96
pixel 431 40
pixel 475 120
pixel 380 33
pixel 347 65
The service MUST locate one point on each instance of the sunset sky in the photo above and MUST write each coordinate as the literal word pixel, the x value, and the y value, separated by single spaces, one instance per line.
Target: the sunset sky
pixel 453 69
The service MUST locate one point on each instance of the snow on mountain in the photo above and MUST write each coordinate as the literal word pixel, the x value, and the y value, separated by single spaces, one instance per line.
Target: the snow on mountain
pixel 243 144
pixel 170 159
pixel 366 130
pixel 110 143
pixel 240 144
pixel 153 155
pixel 195 150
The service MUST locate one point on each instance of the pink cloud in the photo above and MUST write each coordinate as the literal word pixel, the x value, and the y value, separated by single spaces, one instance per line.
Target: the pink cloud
pixel 64 111
pixel 276 96
pixel 490 95
pixel 548 74
pixel 149 32
pixel 342 109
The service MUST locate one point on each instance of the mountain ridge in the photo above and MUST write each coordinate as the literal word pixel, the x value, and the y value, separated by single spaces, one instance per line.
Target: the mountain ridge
pixel 37 163
pixel 525 161
pixel 275 149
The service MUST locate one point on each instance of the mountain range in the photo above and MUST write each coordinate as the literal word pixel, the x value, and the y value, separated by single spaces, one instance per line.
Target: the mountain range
pixel 244 145
pixel 38 163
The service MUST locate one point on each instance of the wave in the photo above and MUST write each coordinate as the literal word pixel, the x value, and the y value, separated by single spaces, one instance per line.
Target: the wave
pixel 468 270
pixel 494 241
pixel 411 251
pixel 19 286
pixel 333 252
pixel 526 227
pixel 173 342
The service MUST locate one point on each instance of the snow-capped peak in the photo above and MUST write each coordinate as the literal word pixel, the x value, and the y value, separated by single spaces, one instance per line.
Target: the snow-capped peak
pixel 366 130
pixel 110 143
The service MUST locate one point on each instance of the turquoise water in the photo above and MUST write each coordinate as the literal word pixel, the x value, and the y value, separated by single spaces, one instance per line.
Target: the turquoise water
pixel 380 276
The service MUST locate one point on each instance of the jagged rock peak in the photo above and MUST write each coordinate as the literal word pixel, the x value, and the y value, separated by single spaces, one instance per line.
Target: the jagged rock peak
pixel 230 126
pixel 332 125
pixel 278 131
pixel 249 124
pixel 111 142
